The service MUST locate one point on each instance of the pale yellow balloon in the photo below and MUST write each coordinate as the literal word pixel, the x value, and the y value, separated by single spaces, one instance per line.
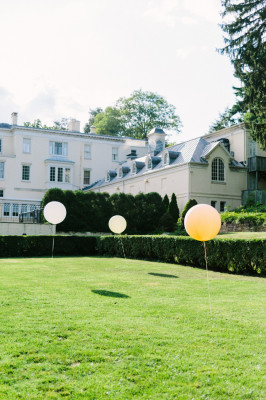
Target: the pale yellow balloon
pixel 117 224
pixel 202 222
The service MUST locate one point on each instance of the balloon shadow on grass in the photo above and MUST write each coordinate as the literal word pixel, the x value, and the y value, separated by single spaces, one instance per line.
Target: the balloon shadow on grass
pixel 163 275
pixel 111 294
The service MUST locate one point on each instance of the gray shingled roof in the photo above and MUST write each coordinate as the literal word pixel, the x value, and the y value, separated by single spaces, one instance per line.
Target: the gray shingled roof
pixel 192 151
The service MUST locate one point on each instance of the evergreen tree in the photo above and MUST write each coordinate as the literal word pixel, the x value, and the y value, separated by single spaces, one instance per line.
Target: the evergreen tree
pixel 190 203
pixel 246 47
pixel 167 222
pixel 166 202
pixel 173 208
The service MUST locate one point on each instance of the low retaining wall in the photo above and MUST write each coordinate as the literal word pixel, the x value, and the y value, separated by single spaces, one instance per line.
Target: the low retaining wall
pixel 14 229
pixel 226 228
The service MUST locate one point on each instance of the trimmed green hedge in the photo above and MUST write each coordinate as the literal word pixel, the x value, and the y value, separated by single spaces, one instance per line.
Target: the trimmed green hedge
pixel 39 246
pixel 249 218
pixel 228 255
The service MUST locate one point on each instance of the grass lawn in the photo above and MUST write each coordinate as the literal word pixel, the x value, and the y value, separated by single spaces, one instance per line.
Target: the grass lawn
pixel 242 235
pixel 107 328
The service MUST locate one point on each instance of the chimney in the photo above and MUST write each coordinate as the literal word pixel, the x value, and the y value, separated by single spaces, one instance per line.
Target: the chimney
pixel 74 125
pixel 92 129
pixel 14 118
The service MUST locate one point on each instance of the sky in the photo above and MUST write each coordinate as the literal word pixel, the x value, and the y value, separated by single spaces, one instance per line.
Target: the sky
pixel 61 58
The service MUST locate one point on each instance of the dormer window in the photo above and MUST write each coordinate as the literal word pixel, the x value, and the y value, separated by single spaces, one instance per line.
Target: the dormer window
pixel 134 168
pixel 165 159
pixel 107 177
pixel 149 164
pixel 120 172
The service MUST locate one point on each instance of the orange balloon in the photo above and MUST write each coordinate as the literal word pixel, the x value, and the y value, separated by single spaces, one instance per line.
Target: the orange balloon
pixel 202 222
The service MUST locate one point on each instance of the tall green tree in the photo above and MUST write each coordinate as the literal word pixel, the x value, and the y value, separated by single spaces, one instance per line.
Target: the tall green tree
pixel 173 208
pixel 230 117
pixel 92 114
pixel 136 115
pixel 246 47
pixel 166 202
pixel 58 125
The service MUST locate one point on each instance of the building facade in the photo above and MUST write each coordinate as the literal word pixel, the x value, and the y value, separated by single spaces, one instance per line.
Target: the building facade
pixel 213 169
pixel 34 160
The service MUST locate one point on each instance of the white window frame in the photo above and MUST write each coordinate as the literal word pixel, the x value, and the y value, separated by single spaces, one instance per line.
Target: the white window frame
pixel 2 170
pixel 87 151
pixel 107 179
pixel 84 171
pixel 6 209
pixel 134 168
pixel 120 173
pixel 114 153
pixel 149 163
pixel 217 170
pixel 22 173
pixel 66 174
pixel 26 145
pixel 165 159
pixel 53 146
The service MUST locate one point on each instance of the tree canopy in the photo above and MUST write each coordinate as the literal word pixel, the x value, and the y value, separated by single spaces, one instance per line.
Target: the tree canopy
pixel 58 125
pixel 136 115
pixel 246 47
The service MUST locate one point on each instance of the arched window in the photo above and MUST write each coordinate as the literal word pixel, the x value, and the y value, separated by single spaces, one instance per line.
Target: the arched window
pixel 149 165
pixel 218 170
pixel 134 169
pixel 165 158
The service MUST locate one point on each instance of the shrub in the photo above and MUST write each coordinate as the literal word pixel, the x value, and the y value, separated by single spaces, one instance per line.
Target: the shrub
pixel 190 203
pixel 173 208
pixel 166 202
pixel 167 223
pixel 251 219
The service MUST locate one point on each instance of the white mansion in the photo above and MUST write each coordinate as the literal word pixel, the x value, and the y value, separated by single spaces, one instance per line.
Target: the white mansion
pixel 213 169
pixel 34 160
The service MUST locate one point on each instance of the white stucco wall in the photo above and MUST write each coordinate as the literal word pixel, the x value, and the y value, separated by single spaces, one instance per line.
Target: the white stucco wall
pixel 13 229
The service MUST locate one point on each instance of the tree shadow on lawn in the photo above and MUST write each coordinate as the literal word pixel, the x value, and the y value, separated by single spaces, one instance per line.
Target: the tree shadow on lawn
pixel 163 275
pixel 111 294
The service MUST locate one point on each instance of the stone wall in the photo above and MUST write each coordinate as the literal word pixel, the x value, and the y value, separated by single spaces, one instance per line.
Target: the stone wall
pixel 226 227
pixel 14 229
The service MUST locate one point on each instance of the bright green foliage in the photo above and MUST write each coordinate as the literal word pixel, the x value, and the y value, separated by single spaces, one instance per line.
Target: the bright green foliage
pixel 166 202
pixel 92 113
pixel 109 122
pixel 246 47
pixel 249 218
pixel 227 118
pixel 173 208
pixel 89 328
pixel 137 115
pixel 190 203
pixel 58 125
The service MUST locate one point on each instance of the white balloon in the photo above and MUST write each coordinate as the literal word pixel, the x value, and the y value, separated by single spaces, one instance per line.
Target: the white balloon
pixel 54 212
pixel 117 224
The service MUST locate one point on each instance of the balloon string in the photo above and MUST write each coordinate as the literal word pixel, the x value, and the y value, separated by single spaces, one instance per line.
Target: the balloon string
pixel 122 246
pixel 206 262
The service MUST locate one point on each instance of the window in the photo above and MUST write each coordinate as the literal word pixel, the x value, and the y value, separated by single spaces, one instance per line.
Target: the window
pixel 114 153
pixel 25 172
pixel 15 208
pixel 213 203
pixel 58 148
pixel 1 193
pixel 24 208
pixel 222 206
pixel 107 177
pixel 134 168
pixel 67 175
pixel 159 145
pixel 26 145
pixel 52 174
pixel 149 163
pixel 165 158
pixel 0 145
pixel 120 173
pixel 86 177
pixel 87 151
pixel 252 147
pixel 6 209
pixel 2 170
pixel 218 170
pixel 59 174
